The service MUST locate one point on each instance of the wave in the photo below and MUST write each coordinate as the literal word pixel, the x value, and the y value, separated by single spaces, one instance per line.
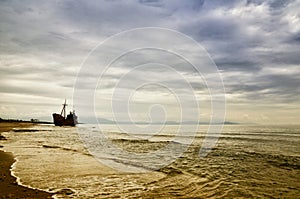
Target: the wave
pixel 65 149
pixel 141 141
pixel 29 130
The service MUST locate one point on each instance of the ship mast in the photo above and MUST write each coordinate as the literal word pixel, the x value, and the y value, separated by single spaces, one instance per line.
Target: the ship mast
pixel 63 111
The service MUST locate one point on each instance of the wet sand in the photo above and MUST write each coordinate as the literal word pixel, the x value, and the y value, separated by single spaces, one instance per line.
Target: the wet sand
pixel 9 188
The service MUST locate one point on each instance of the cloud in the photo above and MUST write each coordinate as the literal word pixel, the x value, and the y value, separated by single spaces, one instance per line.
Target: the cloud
pixel 254 43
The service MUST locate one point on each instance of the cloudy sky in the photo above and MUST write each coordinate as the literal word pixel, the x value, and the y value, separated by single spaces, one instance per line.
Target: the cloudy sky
pixel 254 43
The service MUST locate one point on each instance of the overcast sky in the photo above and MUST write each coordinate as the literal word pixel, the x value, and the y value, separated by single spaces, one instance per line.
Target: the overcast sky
pixel 254 43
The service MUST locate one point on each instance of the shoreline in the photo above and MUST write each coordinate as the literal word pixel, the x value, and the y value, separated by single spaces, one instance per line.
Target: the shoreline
pixel 9 187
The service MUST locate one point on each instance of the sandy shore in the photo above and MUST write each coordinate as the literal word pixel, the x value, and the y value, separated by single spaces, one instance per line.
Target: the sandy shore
pixel 8 185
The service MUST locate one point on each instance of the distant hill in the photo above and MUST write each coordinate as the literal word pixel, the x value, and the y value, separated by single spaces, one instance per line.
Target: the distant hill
pixel 106 121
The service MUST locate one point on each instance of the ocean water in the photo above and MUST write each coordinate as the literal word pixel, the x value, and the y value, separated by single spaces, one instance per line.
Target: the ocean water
pixel 247 162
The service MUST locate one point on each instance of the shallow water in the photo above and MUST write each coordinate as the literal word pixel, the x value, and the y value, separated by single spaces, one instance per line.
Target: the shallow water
pixel 248 161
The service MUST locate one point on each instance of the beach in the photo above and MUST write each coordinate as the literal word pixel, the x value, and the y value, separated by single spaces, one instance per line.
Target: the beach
pixel 9 187
pixel 247 162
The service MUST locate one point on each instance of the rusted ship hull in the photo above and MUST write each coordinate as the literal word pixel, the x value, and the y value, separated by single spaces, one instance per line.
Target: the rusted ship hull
pixel 61 121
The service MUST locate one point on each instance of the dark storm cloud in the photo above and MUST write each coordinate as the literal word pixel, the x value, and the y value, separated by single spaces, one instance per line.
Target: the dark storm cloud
pixel 233 34
pixel 154 3
pixel 240 65
pixel 295 39
pixel 270 88
pixel 286 57
pixel 279 4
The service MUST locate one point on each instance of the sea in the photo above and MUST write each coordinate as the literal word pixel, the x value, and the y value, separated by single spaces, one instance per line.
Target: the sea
pixel 88 161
